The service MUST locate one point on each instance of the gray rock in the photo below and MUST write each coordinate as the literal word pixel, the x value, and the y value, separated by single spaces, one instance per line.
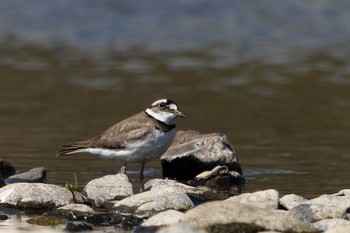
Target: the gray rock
pixel 192 153
pixel 6 169
pixel 146 204
pixel 107 188
pixel 291 200
pixel 34 196
pixel 180 228
pixel 35 175
pixel 340 229
pixel 230 216
pixel 164 218
pixel 262 199
pixel 201 192
pixel 74 208
pixel 323 207
pixel 327 224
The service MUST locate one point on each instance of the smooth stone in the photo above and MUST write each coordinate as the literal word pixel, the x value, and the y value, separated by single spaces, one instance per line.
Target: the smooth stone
pixel 164 218
pixel 146 204
pixel 202 192
pixel 108 188
pixel 322 207
pixel 6 169
pixel 192 153
pixel 34 196
pixel 35 175
pixel 181 227
pixel 74 208
pixel 340 229
pixel 290 201
pixel 262 199
pixel 231 216
pixel 327 224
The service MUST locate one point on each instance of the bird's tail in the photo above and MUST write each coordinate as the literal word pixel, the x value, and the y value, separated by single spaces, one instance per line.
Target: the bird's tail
pixel 70 150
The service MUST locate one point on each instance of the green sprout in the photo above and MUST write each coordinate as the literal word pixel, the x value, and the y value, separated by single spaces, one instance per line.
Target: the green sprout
pixel 73 188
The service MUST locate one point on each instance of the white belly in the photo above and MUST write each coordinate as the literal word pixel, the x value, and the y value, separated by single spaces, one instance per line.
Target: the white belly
pixel 138 152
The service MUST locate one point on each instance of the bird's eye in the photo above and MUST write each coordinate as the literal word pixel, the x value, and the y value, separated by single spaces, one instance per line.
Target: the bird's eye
pixel 162 105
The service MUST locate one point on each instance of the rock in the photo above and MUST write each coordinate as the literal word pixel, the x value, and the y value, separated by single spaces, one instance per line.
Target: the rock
pixel 325 206
pixel 291 200
pixel 220 180
pixel 107 188
pixel 202 193
pixel 180 228
pixel 146 204
pixel 327 224
pixel 262 199
pixel 78 226
pixel 231 216
pixel 35 175
pixel 192 153
pixel 2 182
pixel 340 229
pixel 74 208
pixel 34 196
pixel 6 169
pixel 344 192
pixel 3 217
pixel 81 212
pixel 164 218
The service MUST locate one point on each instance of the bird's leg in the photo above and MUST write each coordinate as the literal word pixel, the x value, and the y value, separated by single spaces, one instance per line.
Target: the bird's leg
pixel 123 169
pixel 142 177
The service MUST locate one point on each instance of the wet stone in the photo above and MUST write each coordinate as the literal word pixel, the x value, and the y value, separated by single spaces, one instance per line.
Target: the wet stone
pixel 192 153
pixel 6 169
pixel 78 226
pixel 35 175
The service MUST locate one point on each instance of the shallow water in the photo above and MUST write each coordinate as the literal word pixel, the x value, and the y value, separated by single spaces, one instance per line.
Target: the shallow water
pixel 274 80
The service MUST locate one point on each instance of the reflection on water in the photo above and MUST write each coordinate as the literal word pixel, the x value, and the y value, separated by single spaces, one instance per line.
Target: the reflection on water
pixel 276 81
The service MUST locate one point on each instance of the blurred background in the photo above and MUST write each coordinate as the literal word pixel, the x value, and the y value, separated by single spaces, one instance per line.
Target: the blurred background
pixel 274 78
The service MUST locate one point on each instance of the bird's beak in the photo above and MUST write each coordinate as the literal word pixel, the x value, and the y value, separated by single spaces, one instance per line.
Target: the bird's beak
pixel 179 114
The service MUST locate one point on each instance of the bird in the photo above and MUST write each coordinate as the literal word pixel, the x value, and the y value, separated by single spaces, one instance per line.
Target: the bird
pixel 140 138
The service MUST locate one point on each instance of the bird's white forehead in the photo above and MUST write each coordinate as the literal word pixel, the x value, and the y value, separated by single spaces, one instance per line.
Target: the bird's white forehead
pixel 159 102
pixel 171 105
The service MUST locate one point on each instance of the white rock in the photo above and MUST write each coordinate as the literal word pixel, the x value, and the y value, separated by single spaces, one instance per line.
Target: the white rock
pixel 291 200
pixel 164 218
pixel 151 202
pixel 340 229
pixel 231 216
pixel 34 195
pixel 262 199
pixel 180 228
pixel 107 188
pixel 327 224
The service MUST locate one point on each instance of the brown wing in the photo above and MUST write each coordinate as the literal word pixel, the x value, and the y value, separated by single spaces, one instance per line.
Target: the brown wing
pixel 116 137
